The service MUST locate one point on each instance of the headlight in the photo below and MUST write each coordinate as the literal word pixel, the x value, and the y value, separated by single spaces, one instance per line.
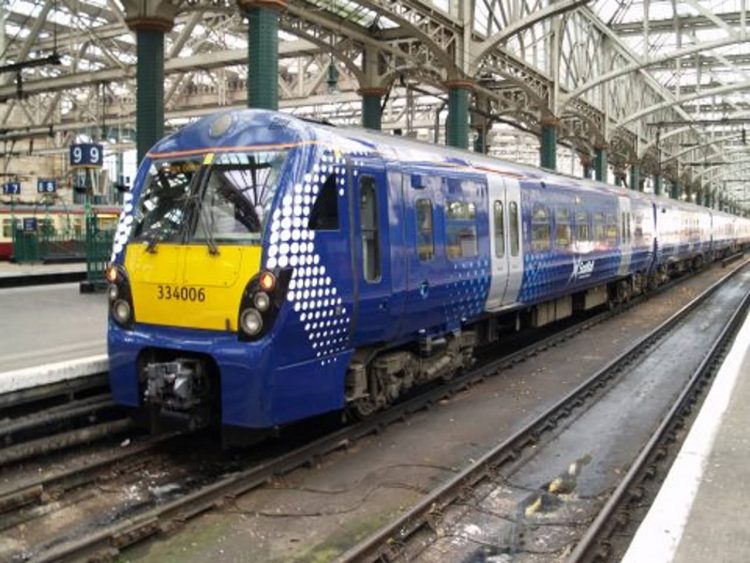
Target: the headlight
pixel 112 292
pixel 111 273
pixel 251 322
pixel 262 301
pixel 121 311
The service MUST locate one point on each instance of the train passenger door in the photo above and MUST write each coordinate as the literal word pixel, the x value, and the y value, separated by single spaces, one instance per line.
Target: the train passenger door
pixel 626 249
pixel 505 241
pixel 371 252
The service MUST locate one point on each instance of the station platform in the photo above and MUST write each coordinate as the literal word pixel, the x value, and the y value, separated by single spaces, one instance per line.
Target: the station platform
pixel 56 327
pixel 16 275
pixel 700 513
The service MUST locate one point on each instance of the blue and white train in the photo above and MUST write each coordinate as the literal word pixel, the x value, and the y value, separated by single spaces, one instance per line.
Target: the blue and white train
pixel 268 269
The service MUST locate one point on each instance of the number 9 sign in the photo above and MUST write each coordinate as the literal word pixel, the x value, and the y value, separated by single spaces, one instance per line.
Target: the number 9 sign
pixel 86 154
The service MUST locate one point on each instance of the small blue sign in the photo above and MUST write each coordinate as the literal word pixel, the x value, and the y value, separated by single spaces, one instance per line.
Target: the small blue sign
pixel 86 154
pixel 46 186
pixel 12 188
pixel 29 224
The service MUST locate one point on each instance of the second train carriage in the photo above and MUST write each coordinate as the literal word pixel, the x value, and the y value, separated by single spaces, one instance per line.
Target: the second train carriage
pixel 268 269
pixel 54 220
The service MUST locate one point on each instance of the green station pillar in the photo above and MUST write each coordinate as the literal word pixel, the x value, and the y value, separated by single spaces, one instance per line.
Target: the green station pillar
pixel 657 184
pixel 635 177
pixel 457 126
pixel 588 167
pixel 600 164
pixel 262 52
pixel 548 147
pixel 149 79
pixel 676 190
pixel 372 99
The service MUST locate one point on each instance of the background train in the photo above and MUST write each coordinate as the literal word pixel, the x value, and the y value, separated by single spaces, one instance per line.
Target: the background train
pixel 56 220
pixel 267 269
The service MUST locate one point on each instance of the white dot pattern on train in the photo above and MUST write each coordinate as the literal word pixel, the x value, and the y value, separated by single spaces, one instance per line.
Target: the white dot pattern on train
pixel 312 293
pixel 467 292
pixel 124 226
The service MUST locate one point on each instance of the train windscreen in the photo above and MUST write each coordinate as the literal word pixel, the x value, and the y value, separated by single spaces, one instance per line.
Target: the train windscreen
pixel 223 199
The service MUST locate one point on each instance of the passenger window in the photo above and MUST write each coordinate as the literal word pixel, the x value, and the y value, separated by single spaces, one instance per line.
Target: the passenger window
pixel 628 231
pixel 611 229
pixel 513 226
pixel 540 227
pixel 600 233
pixel 368 219
pixel 425 238
pixel 582 226
pixel 324 215
pixel 499 230
pixel 562 228
pixel 460 229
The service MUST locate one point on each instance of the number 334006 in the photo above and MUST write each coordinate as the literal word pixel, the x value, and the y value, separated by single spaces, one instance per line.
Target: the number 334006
pixel 181 293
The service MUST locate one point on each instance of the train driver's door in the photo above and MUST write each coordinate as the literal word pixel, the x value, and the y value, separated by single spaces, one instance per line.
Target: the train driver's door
pixel 505 241
pixel 370 248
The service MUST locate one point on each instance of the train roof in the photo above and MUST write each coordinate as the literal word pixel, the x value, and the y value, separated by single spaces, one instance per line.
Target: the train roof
pixel 242 129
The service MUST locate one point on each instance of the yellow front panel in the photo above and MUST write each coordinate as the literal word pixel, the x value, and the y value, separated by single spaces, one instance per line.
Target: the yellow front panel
pixel 186 286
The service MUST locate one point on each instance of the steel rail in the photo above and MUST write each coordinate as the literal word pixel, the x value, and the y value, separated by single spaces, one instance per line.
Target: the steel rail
pixel 109 540
pixel 57 415
pixel 401 528
pixel 584 550
pixel 63 440
pixel 27 492
pixel 22 397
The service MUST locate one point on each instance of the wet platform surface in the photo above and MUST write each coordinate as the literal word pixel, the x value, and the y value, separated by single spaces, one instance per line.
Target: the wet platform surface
pixel 52 323
pixel 700 513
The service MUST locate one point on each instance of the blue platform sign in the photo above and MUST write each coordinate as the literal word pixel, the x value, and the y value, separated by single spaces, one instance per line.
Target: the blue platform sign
pixel 29 224
pixel 12 188
pixel 86 154
pixel 46 186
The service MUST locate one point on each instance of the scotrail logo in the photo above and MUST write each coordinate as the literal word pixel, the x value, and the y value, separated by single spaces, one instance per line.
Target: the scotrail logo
pixel 582 269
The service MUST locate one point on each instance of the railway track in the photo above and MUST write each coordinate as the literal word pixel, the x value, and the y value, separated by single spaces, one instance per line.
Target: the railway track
pixel 164 515
pixel 595 545
pixel 418 528
pixel 55 417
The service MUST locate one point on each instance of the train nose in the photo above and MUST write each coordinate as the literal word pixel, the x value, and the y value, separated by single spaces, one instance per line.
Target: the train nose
pixel 187 286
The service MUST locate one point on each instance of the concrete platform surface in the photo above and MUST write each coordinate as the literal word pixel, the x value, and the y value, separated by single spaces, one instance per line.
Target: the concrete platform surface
pixel 701 511
pixel 40 325
pixel 11 270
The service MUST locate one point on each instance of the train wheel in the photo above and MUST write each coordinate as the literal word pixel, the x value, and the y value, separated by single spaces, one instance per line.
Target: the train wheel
pixel 363 408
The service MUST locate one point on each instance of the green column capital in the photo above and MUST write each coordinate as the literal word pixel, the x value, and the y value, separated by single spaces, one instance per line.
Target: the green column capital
pixel 245 5
pixel 150 23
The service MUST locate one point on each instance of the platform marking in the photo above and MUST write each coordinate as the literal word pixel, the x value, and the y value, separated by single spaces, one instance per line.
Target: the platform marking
pixel 659 535
pixel 52 373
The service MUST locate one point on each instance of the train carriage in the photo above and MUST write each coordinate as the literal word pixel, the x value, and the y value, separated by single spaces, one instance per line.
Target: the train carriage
pixel 267 269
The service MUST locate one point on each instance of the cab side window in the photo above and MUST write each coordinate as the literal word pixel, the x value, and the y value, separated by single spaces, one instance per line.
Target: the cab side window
pixel 324 215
